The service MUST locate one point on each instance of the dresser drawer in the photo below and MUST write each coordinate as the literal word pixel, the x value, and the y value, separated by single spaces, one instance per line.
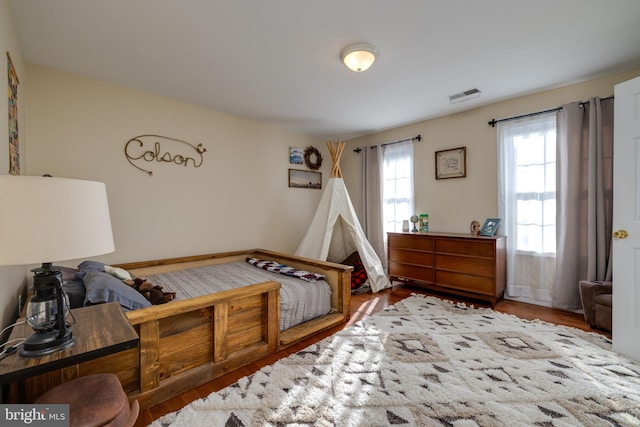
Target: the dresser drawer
pixel 456 263
pixel 465 282
pixel 466 247
pixel 413 272
pixel 410 241
pixel 411 256
pixel 464 264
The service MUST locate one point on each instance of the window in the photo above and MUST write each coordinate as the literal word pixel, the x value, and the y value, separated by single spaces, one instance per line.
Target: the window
pixel 527 204
pixel 397 185
pixel 528 182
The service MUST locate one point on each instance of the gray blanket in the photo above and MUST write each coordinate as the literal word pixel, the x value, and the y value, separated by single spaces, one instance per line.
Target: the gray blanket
pixel 299 300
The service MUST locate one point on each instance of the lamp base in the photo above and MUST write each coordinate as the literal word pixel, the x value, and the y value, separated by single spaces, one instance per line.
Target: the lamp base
pixel 42 343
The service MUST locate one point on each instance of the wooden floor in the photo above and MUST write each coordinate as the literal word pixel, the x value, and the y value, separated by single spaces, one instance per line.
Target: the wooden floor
pixel 362 305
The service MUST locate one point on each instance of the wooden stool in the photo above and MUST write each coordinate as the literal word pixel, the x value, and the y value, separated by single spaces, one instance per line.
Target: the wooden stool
pixel 94 400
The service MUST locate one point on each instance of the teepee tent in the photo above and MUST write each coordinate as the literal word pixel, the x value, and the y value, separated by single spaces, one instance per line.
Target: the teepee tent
pixel 335 231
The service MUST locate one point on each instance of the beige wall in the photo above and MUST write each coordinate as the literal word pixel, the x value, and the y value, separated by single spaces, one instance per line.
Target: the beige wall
pixel 453 203
pixel 12 279
pixel 239 198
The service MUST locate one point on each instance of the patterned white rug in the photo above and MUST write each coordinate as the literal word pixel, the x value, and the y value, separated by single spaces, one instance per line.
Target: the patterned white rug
pixel 429 362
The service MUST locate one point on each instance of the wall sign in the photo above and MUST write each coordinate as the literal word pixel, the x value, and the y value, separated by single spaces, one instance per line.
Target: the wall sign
pixel 151 149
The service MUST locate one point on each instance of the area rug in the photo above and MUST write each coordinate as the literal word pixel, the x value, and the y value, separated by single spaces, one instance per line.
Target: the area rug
pixel 430 362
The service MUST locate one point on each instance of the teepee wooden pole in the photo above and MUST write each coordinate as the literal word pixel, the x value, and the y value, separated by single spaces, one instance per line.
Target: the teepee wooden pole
pixel 336 153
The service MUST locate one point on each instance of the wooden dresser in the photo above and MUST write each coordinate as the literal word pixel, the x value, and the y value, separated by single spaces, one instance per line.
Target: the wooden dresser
pixel 460 264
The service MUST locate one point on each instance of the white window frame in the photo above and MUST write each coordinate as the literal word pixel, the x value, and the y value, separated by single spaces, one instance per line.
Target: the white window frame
pixel 397 186
pixel 531 271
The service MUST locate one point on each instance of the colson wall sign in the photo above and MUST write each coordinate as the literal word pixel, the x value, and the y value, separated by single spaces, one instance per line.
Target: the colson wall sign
pixel 146 150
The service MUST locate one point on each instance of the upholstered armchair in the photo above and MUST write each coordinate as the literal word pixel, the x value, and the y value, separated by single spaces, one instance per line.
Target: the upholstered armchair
pixel 596 303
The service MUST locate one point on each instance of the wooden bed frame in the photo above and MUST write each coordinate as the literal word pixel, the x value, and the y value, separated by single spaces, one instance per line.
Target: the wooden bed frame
pixel 186 343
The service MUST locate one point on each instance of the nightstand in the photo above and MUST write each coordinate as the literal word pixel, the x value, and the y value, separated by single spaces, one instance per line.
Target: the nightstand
pixel 100 330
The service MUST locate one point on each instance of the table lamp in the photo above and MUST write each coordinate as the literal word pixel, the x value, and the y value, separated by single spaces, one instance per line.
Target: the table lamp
pixel 46 219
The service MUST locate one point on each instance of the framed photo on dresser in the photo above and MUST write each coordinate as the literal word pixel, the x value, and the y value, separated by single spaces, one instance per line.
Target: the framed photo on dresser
pixel 490 227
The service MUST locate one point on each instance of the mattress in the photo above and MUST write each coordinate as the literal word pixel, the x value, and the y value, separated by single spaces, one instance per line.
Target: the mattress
pixel 299 300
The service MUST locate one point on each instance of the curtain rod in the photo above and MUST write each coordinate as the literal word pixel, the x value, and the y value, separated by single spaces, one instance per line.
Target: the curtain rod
pixel 493 122
pixel 418 138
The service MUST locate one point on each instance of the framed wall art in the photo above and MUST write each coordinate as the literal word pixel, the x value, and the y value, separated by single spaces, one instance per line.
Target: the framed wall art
pixel 451 163
pixel 296 156
pixel 305 179
pixel 14 145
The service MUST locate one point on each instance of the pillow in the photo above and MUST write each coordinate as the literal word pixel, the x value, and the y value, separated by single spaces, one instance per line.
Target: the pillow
pixel 86 266
pixel 352 259
pixel 358 275
pixel 68 274
pixel 72 286
pixel 274 267
pixel 102 287
pixel 75 293
pixel 118 272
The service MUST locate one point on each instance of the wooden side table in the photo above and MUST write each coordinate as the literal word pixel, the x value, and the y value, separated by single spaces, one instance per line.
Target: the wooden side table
pixel 100 330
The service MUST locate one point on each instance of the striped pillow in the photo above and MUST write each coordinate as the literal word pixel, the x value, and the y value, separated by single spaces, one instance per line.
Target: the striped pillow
pixel 285 269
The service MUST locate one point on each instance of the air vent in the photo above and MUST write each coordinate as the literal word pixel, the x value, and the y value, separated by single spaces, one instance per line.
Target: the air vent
pixel 464 96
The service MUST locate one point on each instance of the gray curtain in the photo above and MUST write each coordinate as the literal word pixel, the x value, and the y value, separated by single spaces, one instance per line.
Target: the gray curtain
pixel 372 200
pixel 584 198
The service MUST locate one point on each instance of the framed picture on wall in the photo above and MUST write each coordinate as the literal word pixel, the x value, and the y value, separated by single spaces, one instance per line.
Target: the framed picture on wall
pixel 451 163
pixel 305 179
pixel 14 144
pixel 296 156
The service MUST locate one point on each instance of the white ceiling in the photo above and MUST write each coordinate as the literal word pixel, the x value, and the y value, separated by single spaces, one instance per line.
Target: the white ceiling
pixel 277 61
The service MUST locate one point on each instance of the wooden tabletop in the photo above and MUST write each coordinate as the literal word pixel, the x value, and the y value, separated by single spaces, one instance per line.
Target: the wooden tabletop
pixel 99 330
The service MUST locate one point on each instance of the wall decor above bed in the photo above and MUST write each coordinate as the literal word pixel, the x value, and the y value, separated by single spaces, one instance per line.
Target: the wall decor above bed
pixel 162 149
pixel 305 179
pixel 312 158
pixel 296 156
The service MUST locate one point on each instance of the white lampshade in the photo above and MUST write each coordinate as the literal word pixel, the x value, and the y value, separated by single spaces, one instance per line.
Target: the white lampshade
pixel 44 219
pixel 358 57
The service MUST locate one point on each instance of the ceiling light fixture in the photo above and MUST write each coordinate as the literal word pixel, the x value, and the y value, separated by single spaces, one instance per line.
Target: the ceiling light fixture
pixel 358 57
